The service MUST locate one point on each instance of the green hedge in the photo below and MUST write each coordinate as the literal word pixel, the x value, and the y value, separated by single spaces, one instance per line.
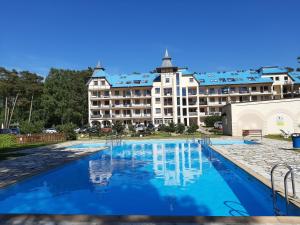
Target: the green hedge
pixel 7 140
pixel 210 120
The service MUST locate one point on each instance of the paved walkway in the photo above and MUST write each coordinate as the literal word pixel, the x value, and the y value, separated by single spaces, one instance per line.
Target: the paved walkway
pixel 261 158
pixel 39 160
pixel 142 220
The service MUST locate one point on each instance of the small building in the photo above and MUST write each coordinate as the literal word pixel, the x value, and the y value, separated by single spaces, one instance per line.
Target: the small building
pixel 268 116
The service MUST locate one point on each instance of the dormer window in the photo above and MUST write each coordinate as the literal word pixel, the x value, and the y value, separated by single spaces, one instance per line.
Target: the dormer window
pixel 191 80
pixel 103 82
pixel 95 82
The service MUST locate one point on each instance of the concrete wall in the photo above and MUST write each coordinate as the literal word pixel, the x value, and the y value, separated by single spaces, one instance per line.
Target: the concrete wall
pixel 269 116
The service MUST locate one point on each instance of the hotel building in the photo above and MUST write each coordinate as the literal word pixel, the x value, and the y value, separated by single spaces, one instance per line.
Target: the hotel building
pixel 170 93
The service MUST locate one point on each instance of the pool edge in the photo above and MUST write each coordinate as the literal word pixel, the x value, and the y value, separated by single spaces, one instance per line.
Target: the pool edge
pixel 49 167
pixel 256 175
pixel 91 219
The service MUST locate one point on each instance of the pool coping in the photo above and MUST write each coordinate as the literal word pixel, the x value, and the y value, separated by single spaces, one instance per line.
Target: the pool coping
pixel 138 219
pixel 256 175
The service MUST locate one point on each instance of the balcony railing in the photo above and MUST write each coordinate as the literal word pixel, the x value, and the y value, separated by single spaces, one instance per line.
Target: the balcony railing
pixel 193 113
pixel 214 113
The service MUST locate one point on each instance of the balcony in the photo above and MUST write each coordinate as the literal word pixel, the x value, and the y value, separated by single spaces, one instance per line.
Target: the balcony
pixel 192 92
pixel 193 114
pixel 214 113
pixel 95 116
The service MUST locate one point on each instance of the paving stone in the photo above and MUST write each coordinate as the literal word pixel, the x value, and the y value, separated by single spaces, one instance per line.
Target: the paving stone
pixel 264 156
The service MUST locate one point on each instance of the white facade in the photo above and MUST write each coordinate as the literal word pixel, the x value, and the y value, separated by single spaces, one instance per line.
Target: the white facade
pixel 176 95
pixel 268 116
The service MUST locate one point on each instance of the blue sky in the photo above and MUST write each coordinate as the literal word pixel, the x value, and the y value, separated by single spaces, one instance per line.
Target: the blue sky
pixel 131 35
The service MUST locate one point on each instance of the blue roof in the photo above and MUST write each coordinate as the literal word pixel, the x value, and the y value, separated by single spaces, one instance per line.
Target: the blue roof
pixel 233 77
pixel 127 80
pixel 273 70
pixel 295 76
pixel 185 72
pixel 99 73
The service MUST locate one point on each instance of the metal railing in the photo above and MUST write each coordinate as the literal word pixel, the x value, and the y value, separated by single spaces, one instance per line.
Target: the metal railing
pixel 289 172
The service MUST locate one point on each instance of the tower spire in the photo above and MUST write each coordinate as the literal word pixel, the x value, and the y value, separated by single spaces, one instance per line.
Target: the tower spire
pixel 166 60
pixel 99 67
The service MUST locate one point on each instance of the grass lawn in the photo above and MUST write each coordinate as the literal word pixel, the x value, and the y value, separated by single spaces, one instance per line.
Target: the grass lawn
pixel 278 137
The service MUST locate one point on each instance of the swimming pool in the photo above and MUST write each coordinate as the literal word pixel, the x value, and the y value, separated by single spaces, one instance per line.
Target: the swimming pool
pixel 143 178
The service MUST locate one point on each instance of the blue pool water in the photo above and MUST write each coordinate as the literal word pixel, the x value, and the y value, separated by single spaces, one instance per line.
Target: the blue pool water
pixel 232 142
pixel 143 178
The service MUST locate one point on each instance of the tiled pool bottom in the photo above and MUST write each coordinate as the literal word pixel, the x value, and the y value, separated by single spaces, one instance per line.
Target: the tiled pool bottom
pixel 142 178
pixel 214 142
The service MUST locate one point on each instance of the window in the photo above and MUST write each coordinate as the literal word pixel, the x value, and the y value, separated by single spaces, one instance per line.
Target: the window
pixel 276 78
pixel 158 121
pixel 137 111
pixel 137 92
pixel 106 93
pixel 157 90
pixel 157 100
pixel 95 82
pixel 177 78
pixel 95 103
pixel 285 78
pixel 168 91
pixel 191 80
pixel 183 91
pixel 117 93
pixel 253 88
pixel 103 82
pixel 117 112
pixel 117 102
pixel 167 80
pixel 157 111
pixel 106 102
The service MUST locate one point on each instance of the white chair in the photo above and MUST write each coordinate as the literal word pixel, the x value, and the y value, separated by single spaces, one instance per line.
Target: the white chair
pixel 285 134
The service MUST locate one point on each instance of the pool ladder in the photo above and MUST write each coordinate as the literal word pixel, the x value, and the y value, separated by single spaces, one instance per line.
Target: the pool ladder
pixel 205 140
pixel 286 195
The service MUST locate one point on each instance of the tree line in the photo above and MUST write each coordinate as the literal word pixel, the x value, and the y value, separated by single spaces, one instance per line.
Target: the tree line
pixel 33 102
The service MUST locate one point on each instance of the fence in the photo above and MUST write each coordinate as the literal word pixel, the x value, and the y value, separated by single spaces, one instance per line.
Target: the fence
pixel 40 138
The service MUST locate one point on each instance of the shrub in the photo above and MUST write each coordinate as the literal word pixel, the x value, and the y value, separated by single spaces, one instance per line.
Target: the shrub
pixel 170 127
pixel 162 127
pixel 180 128
pixel 118 127
pixel 131 128
pixel 210 120
pixel 7 140
pixel 31 128
pixel 68 130
pixel 192 129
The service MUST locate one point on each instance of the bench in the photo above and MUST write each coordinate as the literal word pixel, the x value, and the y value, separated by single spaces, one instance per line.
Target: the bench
pixel 252 133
